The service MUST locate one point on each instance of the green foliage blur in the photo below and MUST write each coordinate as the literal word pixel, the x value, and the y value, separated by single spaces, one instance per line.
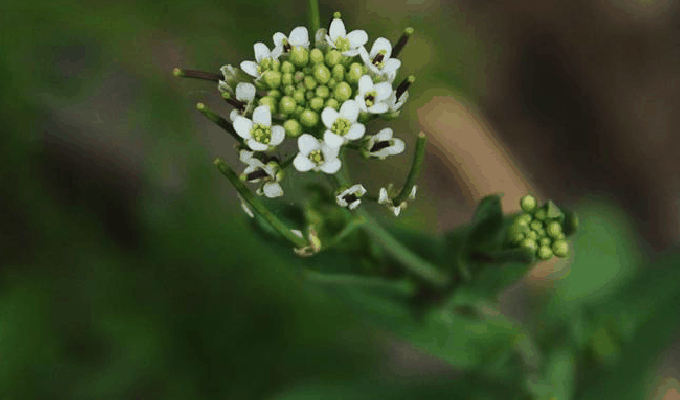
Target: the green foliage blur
pixel 129 272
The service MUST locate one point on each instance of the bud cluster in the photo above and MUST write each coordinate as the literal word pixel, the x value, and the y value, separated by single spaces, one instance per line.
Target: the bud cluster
pixel 539 229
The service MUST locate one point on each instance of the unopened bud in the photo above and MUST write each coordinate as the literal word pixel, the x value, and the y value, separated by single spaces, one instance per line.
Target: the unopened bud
pixel 528 203
pixel 333 58
pixel 287 67
pixel 316 103
pixel 322 74
pixel 293 128
pixel 287 105
pixel 342 91
pixel 316 56
pixel 272 79
pixel 355 72
pixel 269 101
pixel 309 118
pixel 299 56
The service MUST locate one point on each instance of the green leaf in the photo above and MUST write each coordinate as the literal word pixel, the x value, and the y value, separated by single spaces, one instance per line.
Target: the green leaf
pixel 486 226
pixel 490 280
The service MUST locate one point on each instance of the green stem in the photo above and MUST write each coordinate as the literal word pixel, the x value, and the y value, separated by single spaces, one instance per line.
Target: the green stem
pixel 353 224
pixel 403 288
pixel 415 170
pixel 257 207
pixel 314 18
pixel 411 261
pixel 223 123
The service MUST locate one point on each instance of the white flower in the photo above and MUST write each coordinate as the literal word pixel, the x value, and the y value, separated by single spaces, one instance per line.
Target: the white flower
pixel 378 60
pixel 371 97
pixel 351 198
pixel 270 173
pixel 395 104
pixel 259 134
pixel 230 77
pixel 263 61
pixel 342 126
pixel 245 93
pixel 298 38
pixel 385 197
pixel 245 207
pixel 383 145
pixel 348 44
pixel 316 155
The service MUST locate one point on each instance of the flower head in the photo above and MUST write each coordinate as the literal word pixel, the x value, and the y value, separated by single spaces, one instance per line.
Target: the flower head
pixel 383 145
pixel 372 97
pixel 298 38
pixel 351 198
pixel 316 156
pixel 245 95
pixel 270 173
pixel 342 126
pixel 259 134
pixel 264 61
pixel 379 62
pixel 230 79
pixel 385 197
pixel 349 44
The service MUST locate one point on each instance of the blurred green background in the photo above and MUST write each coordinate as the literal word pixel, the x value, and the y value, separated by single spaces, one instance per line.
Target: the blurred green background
pixel 127 269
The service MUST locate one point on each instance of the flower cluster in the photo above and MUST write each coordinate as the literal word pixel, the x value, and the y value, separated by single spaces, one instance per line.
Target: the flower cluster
pixel 539 229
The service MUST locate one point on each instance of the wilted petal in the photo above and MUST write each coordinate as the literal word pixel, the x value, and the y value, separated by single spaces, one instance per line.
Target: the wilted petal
pixel 278 134
pixel 328 116
pixel 337 29
pixel 242 126
pixel 250 68
pixel 332 166
pixel 262 115
pixel 302 163
pixel 382 196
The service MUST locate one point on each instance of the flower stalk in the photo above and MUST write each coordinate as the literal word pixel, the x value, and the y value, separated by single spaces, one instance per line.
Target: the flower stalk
pixel 415 170
pixel 223 123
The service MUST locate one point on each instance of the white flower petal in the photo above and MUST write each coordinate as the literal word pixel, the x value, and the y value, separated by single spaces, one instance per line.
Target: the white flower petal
pixel 262 115
pixel 378 108
pixel 397 147
pixel 278 39
pixel 361 103
pixel 392 65
pixel 245 156
pixel 242 126
pixel 354 205
pixel 257 146
pixel 331 167
pixel 337 29
pixel 233 114
pixel 381 44
pixel 250 68
pixel 302 163
pixel 328 116
pixel 261 52
pixel 349 110
pixel 384 134
pixel 272 189
pixel 307 143
pixel 276 53
pixel 396 211
pixel 333 140
pixel 358 189
pixel 245 91
pixel 278 134
pixel 356 132
pixel 365 85
pixel 330 153
pixel 357 38
pixel 382 196
pixel 413 192
pixel 383 90
pixel 299 37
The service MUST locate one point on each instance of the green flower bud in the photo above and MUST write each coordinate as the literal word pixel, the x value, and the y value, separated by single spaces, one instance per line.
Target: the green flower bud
pixel 323 92
pixel 332 83
pixel 288 90
pixel 541 214
pixel 299 110
pixel 342 92
pixel 293 128
pixel 561 236
pixel 532 235
pixel 299 97
pixel 544 253
pixel 309 95
pixel 554 229
pixel 536 225
pixel 272 79
pixel 338 72
pixel 545 242
pixel 529 244
pixel 270 101
pixel 321 73
pixel 332 103
pixel 307 70
pixel 299 76
pixel 516 237
pixel 333 58
pixel 275 94
pixel 561 248
pixel 316 56
pixel 287 67
pixel 316 103
pixel 287 105
pixel 287 78
pixel 528 203
pixel 310 83
pixel 299 56
pixel 265 64
pixel 276 65
pixel 520 222
pixel 309 118
pixel 355 72
pixel 526 217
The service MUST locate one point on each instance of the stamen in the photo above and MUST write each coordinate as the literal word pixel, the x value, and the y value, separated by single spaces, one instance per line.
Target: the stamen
pixel 378 59
pixel 377 146
pixel 350 198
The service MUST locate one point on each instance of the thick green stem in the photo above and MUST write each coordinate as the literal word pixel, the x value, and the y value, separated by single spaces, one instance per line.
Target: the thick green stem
pixel 415 170
pixel 257 207
pixel 314 18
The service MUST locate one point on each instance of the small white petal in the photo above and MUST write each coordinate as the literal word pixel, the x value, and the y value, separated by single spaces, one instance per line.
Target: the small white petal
pixel 261 52
pixel 278 39
pixel 382 196
pixel 257 146
pixel 245 91
pixel 358 189
pixel 364 56
pixel 337 29
pixel 413 192
pixel 278 134
pixel 383 91
pixel 307 143
pixel 361 103
pixel 354 205
pixel 328 116
pixel 357 38
pixel 397 147
pixel 272 189
pixel 250 68
pixel 396 211
pixel 297 233
pixel 245 156
pixel 332 139
pixel 330 153
pixel 381 44
pixel 302 163
pixel 299 37
pixel 392 65
pixel 242 126
pixel 331 167
pixel 352 52
pixel 356 132
pixel 378 108
pixel 366 85
pixel 384 134
pixel 245 207
pixel 349 110
pixel 276 53
pixel 262 115
pixel 233 114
